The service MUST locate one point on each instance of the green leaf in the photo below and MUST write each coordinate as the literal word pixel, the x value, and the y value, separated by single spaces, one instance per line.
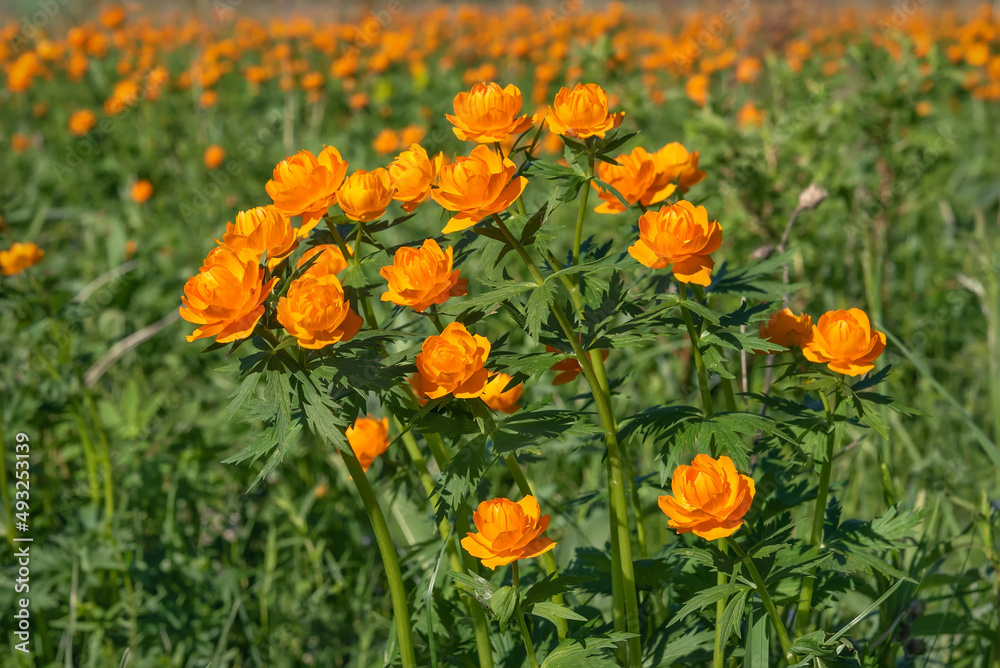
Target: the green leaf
pixel 705 598
pixel 756 652
pixel 554 612
pixel 733 615
pixel 537 310
pixel 525 428
pixel 503 603
pixel 553 584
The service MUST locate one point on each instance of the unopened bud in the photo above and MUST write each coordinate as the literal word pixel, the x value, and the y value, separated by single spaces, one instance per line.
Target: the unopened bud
pixel 812 196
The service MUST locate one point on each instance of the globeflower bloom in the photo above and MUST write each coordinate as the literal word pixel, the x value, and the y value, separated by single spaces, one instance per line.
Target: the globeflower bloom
pixel 331 260
pixel 365 196
pixel 787 329
pixel 582 112
pixel 306 185
pixel 496 398
pixel 508 531
pixel 710 498
pixel 412 173
pixel 845 342
pixel 81 122
pixel 419 277
pixel 261 230
pixel 488 113
pixel 681 235
pixel 316 313
pixel 452 362
pixel 477 186
pixel 226 297
pixel 636 179
pixel 369 438
pixel 141 191
pixel 19 257
pixel 214 155
pixel 674 164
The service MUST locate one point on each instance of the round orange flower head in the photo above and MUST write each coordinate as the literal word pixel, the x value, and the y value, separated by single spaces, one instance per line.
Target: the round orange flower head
pixel 315 312
pixel 674 164
pixel 508 531
pixel 214 155
pixel 496 398
pixel 582 112
pixel 226 298
pixel 681 235
pixel 365 195
pixel 710 498
pixel 141 191
pixel 331 260
pixel 19 257
pixel 419 277
pixel 412 173
pixel 452 362
pixel 845 342
pixel 261 230
pixel 386 142
pixel 477 186
pixel 306 185
pixel 82 122
pixel 787 329
pixel 636 179
pixel 369 438
pixel 488 113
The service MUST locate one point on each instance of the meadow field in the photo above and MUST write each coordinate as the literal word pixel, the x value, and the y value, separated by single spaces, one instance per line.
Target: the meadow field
pixel 561 334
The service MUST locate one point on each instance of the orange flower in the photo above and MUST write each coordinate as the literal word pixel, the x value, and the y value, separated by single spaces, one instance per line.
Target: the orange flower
pixel 366 195
pixel 488 113
pixel 315 312
pixel 19 142
pixel 386 142
pixel 81 122
pixel 261 230
pixel 748 70
pixel 710 498
pixel 681 235
pixel 508 531
pixel 412 173
pixel 422 276
pixel 19 257
pixel 636 179
pixel 477 186
pixel 496 398
pixel 306 185
pixel 845 342
pixel 369 438
pixel 214 155
pixel 330 261
pixel 208 99
pixel 582 112
pixel 749 116
pixel 141 191
pixel 452 362
pixel 412 134
pixel 675 165
pixel 786 329
pixel 226 297
pixel 697 89
pixel 568 369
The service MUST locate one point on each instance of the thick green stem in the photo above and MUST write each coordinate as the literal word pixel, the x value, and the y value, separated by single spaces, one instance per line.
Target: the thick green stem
pixel 765 597
pixel 718 651
pixel 528 646
pixel 581 213
pixel 699 363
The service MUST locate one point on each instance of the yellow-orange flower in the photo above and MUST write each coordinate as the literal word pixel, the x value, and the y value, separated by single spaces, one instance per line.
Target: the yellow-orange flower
pixel 749 116
pixel 412 173
pixel 141 191
pixel 260 230
pixel 488 113
pixel 636 179
pixel 787 329
pixel 681 235
pixel 81 122
pixel 496 398
pixel 369 438
pixel 845 342
pixel 675 164
pixel 315 312
pixel 452 362
pixel 331 260
pixel 386 142
pixel 710 498
pixel 419 277
pixel 582 112
pixel 508 531
pixel 697 89
pixel 214 155
pixel 306 185
pixel 477 186
pixel 19 257
pixel 365 195
pixel 226 297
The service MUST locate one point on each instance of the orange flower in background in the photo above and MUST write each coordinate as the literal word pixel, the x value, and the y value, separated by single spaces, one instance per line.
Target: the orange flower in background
pixel 81 122
pixel 748 70
pixel 141 191
pixel 749 116
pixel 315 312
pixel 412 173
pixel 411 134
pixel 674 164
pixel 306 185
pixel 214 155
pixel 226 297
pixel 636 179
pixel 369 438
pixel 845 342
pixel 419 277
pixel 568 369
pixel 331 260
pixel 208 99
pixel 582 112
pixel 365 196
pixel 924 108
pixel 787 329
pixel 710 498
pixel 261 230
pixel 496 398
pixel 488 113
pixel 508 531
pixel 112 17
pixel 477 186
pixel 697 89
pixel 19 142
pixel 681 235
pixel 386 142
pixel 452 362
pixel 19 257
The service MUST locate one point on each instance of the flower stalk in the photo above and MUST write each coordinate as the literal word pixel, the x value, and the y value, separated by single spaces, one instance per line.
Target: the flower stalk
pixel 525 636
pixel 765 597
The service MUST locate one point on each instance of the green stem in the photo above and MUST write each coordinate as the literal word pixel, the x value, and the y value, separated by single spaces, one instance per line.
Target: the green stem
pixel 718 651
pixel 706 393
pixel 4 492
pixel 581 213
pixel 88 453
pixel 520 621
pixel 765 597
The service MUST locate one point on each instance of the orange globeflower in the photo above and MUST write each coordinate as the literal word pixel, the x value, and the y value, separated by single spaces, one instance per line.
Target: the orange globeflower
pixel 749 116
pixel 386 142
pixel 582 112
pixel 452 362
pixel 675 164
pixel 81 122
pixel 412 173
pixel 710 498
pixel 315 312
pixel 306 185
pixel 697 89
pixel 845 342
pixel 508 531
pixel 226 297
pixel 331 260
pixel 488 113
pixel 496 398
pixel 261 230
pixel 365 196
pixel 636 179
pixel 141 191
pixel 786 329
pixel 477 186
pixel 214 155
pixel 19 257
pixel 422 276
pixel 681 235
pixel 369 438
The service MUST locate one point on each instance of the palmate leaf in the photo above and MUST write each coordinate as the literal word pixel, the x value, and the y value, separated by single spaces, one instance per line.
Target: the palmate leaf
pixel 527 428
pixel 705 598
pixel 489 300
pixel 858 545
pixel 554 612
pixel 586 649
pixel 553 584
pixel 537 310
pixel 461 477
pixel 728 431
